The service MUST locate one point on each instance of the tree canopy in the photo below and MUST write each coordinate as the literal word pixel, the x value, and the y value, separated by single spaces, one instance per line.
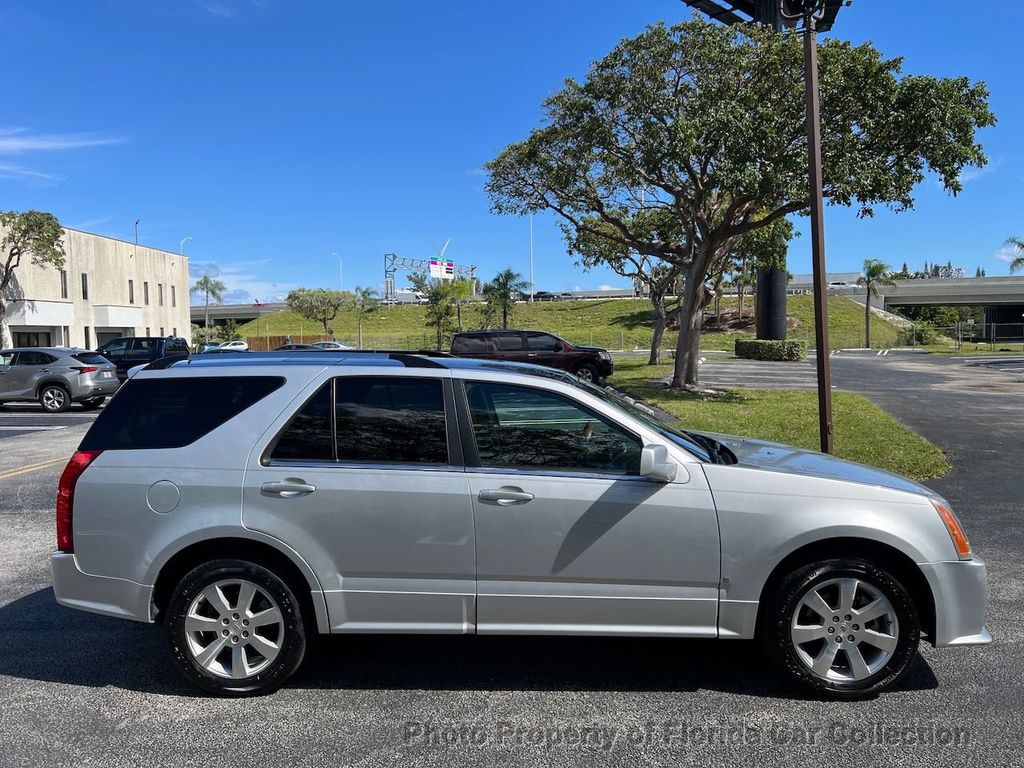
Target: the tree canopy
pixel 318 305
pixel 685 138
pixel 35 235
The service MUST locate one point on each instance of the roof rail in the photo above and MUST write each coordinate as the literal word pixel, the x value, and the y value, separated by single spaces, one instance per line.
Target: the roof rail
pixel 414 360
pixel 165 362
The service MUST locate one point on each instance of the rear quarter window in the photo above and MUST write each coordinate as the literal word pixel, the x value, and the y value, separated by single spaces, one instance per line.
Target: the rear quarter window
pixel 469 344
pixel 91 358
pixel 173 412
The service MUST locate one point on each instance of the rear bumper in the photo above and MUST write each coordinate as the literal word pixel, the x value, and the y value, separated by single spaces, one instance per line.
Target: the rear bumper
pixel 98 594
pixel 101 388
pixel 960 589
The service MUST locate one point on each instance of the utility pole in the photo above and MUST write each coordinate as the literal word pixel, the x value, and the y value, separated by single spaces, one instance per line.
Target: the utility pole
pixel 809 11
pixel 532 287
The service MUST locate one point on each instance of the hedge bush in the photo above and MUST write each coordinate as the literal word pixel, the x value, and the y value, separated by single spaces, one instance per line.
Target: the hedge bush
pixel 770 349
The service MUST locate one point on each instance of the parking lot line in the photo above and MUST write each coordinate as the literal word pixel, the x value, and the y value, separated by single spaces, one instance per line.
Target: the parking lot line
pixel 33 427
pixel 31 468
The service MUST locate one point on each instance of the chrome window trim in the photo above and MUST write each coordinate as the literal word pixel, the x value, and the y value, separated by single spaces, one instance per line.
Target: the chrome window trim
pixel 366 465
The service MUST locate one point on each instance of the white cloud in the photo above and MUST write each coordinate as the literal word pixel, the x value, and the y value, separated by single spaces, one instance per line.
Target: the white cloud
pixel 1007 253
pixel 244 283
pixel 28 174
pixel 17 141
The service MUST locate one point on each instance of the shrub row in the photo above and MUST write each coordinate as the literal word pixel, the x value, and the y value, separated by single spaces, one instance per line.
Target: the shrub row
pixel 770 349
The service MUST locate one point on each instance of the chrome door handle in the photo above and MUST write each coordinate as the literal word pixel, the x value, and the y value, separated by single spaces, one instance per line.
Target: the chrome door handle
pixel 288 489
pixel 506 496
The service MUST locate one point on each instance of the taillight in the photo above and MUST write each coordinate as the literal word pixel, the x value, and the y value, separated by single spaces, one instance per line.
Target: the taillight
pixel 66 497
pixel 86 369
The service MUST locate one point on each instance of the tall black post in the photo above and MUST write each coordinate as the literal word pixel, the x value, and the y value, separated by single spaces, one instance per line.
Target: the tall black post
pixel 817 233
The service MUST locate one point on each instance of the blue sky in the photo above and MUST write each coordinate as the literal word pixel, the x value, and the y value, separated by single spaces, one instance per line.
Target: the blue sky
pixel 277 132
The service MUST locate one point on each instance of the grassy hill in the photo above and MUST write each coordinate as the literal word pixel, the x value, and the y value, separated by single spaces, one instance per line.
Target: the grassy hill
pixel 610 323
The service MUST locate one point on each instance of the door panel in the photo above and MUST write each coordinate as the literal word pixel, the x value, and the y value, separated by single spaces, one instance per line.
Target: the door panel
pixel 393 548
pixel 367 486
pixel 592 555
pixel 570 539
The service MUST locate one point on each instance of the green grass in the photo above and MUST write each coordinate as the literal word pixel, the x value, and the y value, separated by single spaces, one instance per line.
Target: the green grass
pixel 609 323
pixel 863 432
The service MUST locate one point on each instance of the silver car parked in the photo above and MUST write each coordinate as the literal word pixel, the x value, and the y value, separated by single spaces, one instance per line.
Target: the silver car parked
pixel 246 502
pixel 56 377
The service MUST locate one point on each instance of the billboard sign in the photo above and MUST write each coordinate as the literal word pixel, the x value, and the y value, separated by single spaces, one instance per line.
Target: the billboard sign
pixel 442 269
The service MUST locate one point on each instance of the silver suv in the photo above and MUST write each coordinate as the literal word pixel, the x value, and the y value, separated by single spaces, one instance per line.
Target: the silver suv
pixel 56 377
pixel 244 503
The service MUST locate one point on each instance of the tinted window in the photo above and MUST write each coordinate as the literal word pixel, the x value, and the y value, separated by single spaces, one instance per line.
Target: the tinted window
pixel 464 344
pixel 143 345
pixel 115 347
pixel 390 420
pixel 91 358
pixel 170 413
pixel 34 358
pixel 542 342
pixel 308 435
pixel 525 428
pixel 508 342
pixel 177 346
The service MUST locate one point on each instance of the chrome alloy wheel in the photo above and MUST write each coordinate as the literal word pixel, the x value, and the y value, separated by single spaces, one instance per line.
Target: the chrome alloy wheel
pixel 54 398
pixel 844 629
pixel 234 629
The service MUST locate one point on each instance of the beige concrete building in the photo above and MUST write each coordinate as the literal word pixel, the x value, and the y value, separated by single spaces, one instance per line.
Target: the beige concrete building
pixel 108 288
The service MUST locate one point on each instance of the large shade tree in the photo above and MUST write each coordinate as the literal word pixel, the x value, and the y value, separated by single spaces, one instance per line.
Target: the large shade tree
pixel 35 236
pixel 319 305
pixel 685 138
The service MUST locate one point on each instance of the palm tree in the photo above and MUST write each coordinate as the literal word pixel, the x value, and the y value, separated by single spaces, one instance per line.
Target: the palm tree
pixel 1018 246
pixel 366 302
pixel 501 293
pixel 213 288
pixel 876 273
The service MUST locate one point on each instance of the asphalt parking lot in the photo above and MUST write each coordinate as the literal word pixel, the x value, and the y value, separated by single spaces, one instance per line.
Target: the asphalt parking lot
pixel 78 689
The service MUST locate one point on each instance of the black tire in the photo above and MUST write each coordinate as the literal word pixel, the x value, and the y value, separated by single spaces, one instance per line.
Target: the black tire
pixel 54 398
pixel 291 640
pixel 92 403
pixel 588 372
pixel 777 621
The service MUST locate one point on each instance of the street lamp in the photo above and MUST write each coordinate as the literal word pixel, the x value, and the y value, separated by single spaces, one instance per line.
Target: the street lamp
pixel 137 235
pixel 341 272
pixel 181 245
pixel 531 259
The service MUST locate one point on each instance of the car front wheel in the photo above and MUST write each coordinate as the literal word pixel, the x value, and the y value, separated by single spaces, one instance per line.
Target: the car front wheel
pixel 588 373
pixel 843 628
pixel 235 628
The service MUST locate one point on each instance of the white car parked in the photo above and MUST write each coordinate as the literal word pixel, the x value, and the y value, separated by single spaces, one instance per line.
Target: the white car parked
pixel 237 344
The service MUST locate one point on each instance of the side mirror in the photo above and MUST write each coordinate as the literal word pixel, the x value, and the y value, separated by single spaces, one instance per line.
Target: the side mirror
pixel 656 465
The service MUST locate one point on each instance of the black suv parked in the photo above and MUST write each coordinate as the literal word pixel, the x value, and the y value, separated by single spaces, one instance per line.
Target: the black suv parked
pixel 128 351
pixel 538 347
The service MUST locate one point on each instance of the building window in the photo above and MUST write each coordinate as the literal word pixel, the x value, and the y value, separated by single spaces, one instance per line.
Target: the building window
pixel 147 330
pixel 87 344
pixel 145 294
pixel 131 291
pixel 160 293
pixel 33 339
pixel 85 286
pixel 63 284
pixel 174 296
pixel 174 332
pixel 161 330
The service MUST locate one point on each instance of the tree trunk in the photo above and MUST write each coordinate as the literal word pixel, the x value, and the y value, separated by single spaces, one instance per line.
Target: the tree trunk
pixel 867 318
pixel 360 330
pixel 660 321
pixel 504 317
pixel 458 311
pixel 206 319
pixel 718 310
pixel 690 312
pixel 5 329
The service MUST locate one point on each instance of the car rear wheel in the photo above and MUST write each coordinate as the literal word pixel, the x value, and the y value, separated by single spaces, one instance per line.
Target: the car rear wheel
pixel 589 373
pixel 843 628
pixel 54 398
pixel 235 628
pixel 92 403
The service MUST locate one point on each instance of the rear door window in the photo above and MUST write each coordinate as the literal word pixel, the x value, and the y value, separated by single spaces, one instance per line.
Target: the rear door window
pixel 469 344
pixel 508 342
pixel 91 358
pixel 542 342
pixel 115 347
pixel 390 420
pixel 308 436
pixel 173 412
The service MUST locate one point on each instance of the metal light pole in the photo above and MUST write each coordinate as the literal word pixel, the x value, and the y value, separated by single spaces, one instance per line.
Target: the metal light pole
pixel 181 245
pixel 809 11
pixel 137 235
pixel 532 287
pixel 341 272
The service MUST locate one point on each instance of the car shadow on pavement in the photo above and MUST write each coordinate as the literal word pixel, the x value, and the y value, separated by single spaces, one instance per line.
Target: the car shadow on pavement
pixel 47 642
